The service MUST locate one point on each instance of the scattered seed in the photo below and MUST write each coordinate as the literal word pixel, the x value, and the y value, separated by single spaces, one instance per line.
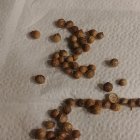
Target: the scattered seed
pixel 92 32
pixel 60 23
pixel 65 65
pixel 76 134
pixel 100 35
pixel 85 47
pixel 55 62
pixel 63 53
pixel 83 69
pixel 77 74
pixel 35 34
pixel 122 82
pixel 90 73
pixel 62 118
pixel 40 79
pixel 91 39
pixel 113 98
pixel 54 113
pixel 66 126
pixel 69 24
pixel 56 37
pixel 50 135
pixel 91 67
pixel 115 107
pixel 49 124
pixel 80 102
pixel 41 133
pixel 89 102
pixel 67 109
pixel 78 51
pixel 108 87
pixel 70 102
pixel 114 62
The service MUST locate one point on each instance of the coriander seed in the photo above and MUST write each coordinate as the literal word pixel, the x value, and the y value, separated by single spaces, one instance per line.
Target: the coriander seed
pixel 66 126
pixel 75 45
pixel 69 59
pixel 62 134
pixel 90 39
pixel 115 107
pixel 54 113
pixel 61 59
pixel 40 79
pixel 113 98
pixel 131 103
pixel 73 38
pixel 75 57
pixel 92 32
pixel 85 47
pixel 123 101
pixel 69 24
pixel 89 73
pixel 68 71
pixel 138 102
pixel 94 109
pixel 100 35
pixel 91 67
pixel 106 104
pixel 56 55
pixel 60 23
pixel 79 33
pixel 74 65
pixel 78 51
pixel 50 135
pixel 63 53
pixel 73 29
pixel 56 37
pixel 65 65
pixel 76 134
pixel 55 62
pixel 80 102
pixel 35 34
pixel 122 82
pixel 49 124
pixel 114 62
pixel 62 118
pixel 89 102
pixel 67 109
pixel 83 40
pixel 107 87
pixel 83 69
pixel 77 74
pixel 70 102
pixel 41 133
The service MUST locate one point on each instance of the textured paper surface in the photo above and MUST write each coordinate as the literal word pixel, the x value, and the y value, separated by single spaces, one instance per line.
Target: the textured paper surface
pixel 24 104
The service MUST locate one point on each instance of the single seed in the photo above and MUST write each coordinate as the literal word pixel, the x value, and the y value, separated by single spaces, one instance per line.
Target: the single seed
pixel 115 107
pixel 122 82
pixel 75 57
pixel 56 37
pixel 91 67
pixel 68 71
pixel 78 51
pixel 62 118
pixel 100 35
pixel 55 62
pixel 50 135
pixel 83 69
pixel 107 87
pixel 62 134
pixel 56 55
pixel 73 38
pixel 89 73
pixel 106 104
pixel 61 59
pixel 79 33
pixel 77 74
pixel 49 124
pixel 67 109
pixel 35 34
pixel 95 109
pixel 80 102
pixel 92 32
pixel 63 53
pixel 74 65
pixel 40 79
pixel 123 101
pixel 76 134
pixel 86 47
pixel 131 103
pixel 73 29
pixel 60 23
pixel 70 102
pixel 98 103
pixel 83 40
pixel 54 113
pixel 89 102
pixel 65 65
pixel 113 98
pixel 66 126
pixel 69 24
pixel 69 59
pixel 75 45
pixel 114 62
pixel 41 133
pixel 90 39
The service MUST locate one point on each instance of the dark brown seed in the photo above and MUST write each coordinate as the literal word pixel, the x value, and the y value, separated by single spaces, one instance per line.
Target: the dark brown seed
pixel 77 74
pixel 55 62
pixel 73 38
pixel 66 126
pixel 61 59
pixel 75 57
pixel 62 118
pixel 40 79
pixel 90 74
pixel 56 37
pixel 78 51
pixel 92 32
pixel 122 82
pixel 98 103
pixel 50 135
pixel 41 133
pixel 62 134
pixel 114 62
pixel 63 53
pixel 54 113
pixel 90 39
pixel 75 45
pixel 83 69
pixel 95 109
pixel 89 102
pixel 60 23
pixel 49 124
pixel 80 102
pixel 76 134
pixel 69 24
pixel 123 101
pixel 115 107
pixel 131 103
pixel 56 55
pixel 65 65
pixel 35 34
pixel 79 33
pixel 74 65
pixel 67 109
pixel 106 104
pixel 70 102
pixel 68 71
pixel 85 47
pixel 83 40
pixel 69 59
pixel 138 102
pixel 91 67
pixel 73 29
pixel 107 87
pixel 100 35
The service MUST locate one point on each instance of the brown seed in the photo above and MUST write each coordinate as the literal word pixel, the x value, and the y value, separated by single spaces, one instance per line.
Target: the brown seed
pixel 76 134
pixel 114 62
pixel 80 102
pixel 78 51
pixel 62 134
pixel 66 126
pixel 61 59
pixel 41 133
pixel 106 104
pixel 62 118
pixel 122 82
pixel 77 74
pixel 123 101
pixel 92 32
pixel 100 35
pixel 75 57
pixel 65 65
pixel 56 37
pixel 63 53
pixel 55 62
pixel 68 71
pixel 131 103
pixel 107 87
pixel 49 124
pixel 73 38
pixel 138 102
pixel 83 40
pixel 50 135
pixel 86 47
pixel 98 103
pixel 95 109
pixel 90 74
pixel 89 102
pixel 70 102
pixel 69 59
pixel 56 55
pixel 75 45
pixel 83 69
pixel 113 98
pixel 91 39
pixel 67 109
pixel 60 23
pixel 74 65
pixel 54 113
pixel 115 107
pixel 91 67
pixel 79 33
pixel 40 79
pixel 69 24
pixel 73 29
pixel 35 34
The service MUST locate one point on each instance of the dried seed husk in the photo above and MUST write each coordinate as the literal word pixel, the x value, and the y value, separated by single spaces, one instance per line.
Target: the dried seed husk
pixel 113 98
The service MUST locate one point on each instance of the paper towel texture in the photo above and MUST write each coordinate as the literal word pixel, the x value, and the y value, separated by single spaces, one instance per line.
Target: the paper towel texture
pixel 24 104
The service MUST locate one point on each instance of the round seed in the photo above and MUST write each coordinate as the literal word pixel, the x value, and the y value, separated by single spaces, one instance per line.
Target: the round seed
pixel 73 29
pixel 41 133
pixel 69 59
pixel 55 62
pixel 107 87
pixel 73 38
pixel 70 102
pixel 83 40
pixel 65 65
pixel 113 98
pixel 100 35
pixel 115 107
pixel 79 33
pixel 50 135
pixel 66 126
pixel 114 62
pixel 90 73
pixel 62 118
pixel 60 23
pixel 80 102
pixel 69 24
pixel 75 45
pixel 86 47
pixel 35 34
pixel 77 74
pixel 122 82
pixel 49 124
pixel 91 39
pixel 89 102
pixel 56 37
pixel 78 51
pixel 40 79
pixel 67 109
pixel 54 113
pixel 92 32
pixel 62 134
pixel 91 67
pixel 83 69
pixel 95 109
pixel 76 134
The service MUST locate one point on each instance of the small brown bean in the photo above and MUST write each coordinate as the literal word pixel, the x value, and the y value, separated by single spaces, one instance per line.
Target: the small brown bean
pixel 60 23
pixel 85 47
pixel 35 34
pixel 69 24
pixel 108 87
pixel 100 35
pixel 40 79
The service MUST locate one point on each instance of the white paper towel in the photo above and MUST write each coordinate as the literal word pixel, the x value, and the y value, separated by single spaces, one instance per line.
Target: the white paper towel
pixel 23 104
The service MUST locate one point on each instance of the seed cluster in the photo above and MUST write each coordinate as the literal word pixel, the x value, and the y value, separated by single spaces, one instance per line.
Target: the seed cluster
pixel 78 42
pixel 65 129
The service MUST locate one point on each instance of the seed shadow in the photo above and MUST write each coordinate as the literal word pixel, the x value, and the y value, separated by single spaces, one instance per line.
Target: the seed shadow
pixel 33 134
pixel 32 79
pixel 100 86
pixel 106 63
